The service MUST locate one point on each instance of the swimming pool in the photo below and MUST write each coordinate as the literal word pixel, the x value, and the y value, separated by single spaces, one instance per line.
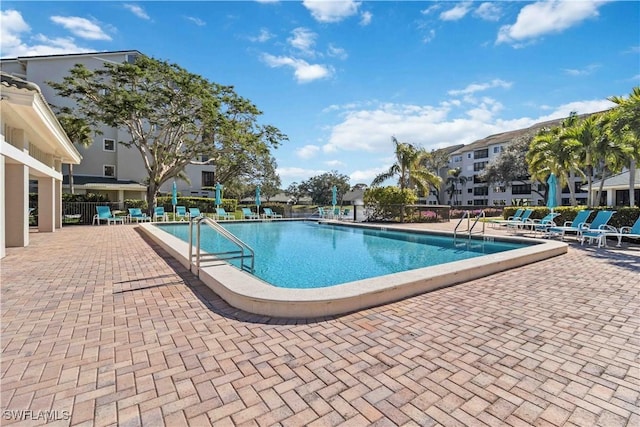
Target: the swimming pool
pixel 249 293
pixel 307 254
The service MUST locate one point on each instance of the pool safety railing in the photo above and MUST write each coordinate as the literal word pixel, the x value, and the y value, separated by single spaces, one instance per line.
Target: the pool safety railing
pixel 470 227
pixel 244 253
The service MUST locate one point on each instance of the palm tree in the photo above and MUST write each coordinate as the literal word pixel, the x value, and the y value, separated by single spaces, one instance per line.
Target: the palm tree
pixel 409 169
pixel 453 180
pixel 586 135
pixel 78 131
pixel 625 126
pixel 612 151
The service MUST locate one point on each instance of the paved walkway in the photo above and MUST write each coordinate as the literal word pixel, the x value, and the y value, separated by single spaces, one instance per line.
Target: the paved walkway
pixel 101 327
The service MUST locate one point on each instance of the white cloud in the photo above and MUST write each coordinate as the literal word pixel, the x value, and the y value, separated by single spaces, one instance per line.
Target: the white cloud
pixel 199 22
pixel 289 174
pixel 478 87
pixel 264 36
pixel 540 18
pixel 431 34
pixel 589 69
pixel 430 9
pixel 335 163
pixel 367 175
pixel 308 151
pixel 456 13
pixel 488 11
pixel 580 107
pixel 331 11
pixel 303 71
pixel 137 10
pixel 303 40
pixel 337 52
pixel 365 18
pixel 12 29
pixel 81 27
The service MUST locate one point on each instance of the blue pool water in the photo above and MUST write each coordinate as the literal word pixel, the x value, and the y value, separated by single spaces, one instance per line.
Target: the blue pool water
pixel 305 254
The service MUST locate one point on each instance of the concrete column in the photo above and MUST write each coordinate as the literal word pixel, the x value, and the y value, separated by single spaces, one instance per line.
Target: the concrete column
pixel 58 203
pixel 46 204
pixel 3 205
pixel 16 205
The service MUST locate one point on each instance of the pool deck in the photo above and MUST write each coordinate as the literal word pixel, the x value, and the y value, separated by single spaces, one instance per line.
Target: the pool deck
pixel 101 327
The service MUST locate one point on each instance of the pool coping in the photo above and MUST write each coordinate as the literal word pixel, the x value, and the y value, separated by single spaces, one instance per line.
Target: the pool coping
pixel 246 292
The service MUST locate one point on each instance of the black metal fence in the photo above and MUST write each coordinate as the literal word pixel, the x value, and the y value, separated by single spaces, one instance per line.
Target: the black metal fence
pixel 83 212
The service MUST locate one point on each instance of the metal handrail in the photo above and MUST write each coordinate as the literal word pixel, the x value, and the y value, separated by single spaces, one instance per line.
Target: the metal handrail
pixel 467 215
pixel 469 229
pixel 240 254
pixel 480 215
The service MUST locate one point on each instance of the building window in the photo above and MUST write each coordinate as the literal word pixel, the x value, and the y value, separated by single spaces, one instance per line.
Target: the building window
pixel 131 58
pixel 469 190
pixel 481 202
pixel 481 154
pixel 457 159
pixel 109 171
pixel 481 191
pixel 478 180
pixel 208 179
pixel 497 150
pixel 108 144
pixel 501 202
pixel 521 189
pixel 468 155
pixel 479 166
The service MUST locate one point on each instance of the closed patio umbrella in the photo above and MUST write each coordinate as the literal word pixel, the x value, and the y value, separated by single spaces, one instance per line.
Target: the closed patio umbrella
pixel 551 196
pixel 174 197
pixel 258 200
pixel 218 194
pixel 334 196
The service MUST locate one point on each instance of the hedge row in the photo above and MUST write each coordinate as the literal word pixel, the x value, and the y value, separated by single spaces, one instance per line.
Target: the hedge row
pixel 624 216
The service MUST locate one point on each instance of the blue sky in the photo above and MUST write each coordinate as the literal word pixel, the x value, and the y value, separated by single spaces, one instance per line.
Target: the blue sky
pixel 340 78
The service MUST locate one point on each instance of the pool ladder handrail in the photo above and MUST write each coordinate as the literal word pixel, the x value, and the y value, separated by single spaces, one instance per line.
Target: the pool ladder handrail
pixel 245 251
pixel 470 227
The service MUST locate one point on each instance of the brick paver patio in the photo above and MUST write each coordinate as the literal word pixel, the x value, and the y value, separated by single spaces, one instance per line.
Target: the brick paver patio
pixel 101 327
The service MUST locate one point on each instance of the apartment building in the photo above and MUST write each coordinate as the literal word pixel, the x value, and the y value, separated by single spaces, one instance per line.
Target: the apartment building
pixel 107 167
pixel 473 158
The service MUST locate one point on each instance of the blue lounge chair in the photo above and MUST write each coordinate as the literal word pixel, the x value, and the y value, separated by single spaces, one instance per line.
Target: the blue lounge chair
pixel 222 214
pixel 137 215
pixel 345 213
pixel 181 213
pixel 541 225
pixel 517 223
pixel 269 213
pixel 159 214
pixel 515 217
pixel 632 232
pixel 104 214
pixel 597 228
pixel 194 213
pixel 571 226
pixel 249 214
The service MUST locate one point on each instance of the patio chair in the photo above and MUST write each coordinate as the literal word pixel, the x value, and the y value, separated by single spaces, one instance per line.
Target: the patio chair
pixel 597 228
pixel 515 217
pixel 194 213
pixel 517 223
pixel 632 232
pixel 104 214
pixel 541 225
pixel 345 213
pixel 137 215
pixel 573 226
pixel 249 214
pixel 222 214
pixel 269 213
pixel 158 213
pixel 181 213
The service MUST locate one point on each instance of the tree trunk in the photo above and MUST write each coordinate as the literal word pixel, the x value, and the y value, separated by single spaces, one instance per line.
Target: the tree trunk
pixel 632 183
pixel 572 189
pixel 601 186
pixel 590 187
pixel 152 198
pixel 71 186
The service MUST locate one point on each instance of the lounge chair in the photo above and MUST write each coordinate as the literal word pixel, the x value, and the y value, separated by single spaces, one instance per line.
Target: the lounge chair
pixel 194 213
pixel 137 215
pixel 573 226
pixel 104 214
pixel 249 214
pixel 632 232
pixel 517 223
pixel 515 217
pixel 269 213
pixel 222 214
pixel 181 213
pixel 159 214
pixel 541 225
pixel 597 228
pixel 345 213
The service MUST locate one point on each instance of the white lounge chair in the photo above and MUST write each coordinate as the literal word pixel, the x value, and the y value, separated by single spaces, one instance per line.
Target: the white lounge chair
pixel 632 232
pixel 573 226
pixel 595 230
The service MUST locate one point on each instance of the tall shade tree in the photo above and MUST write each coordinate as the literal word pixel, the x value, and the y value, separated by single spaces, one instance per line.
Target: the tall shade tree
pixel 625 125
pixel 171 116
pixel 409 169
pixel 78 131
pixel 612 152
pixel 436 161
pixel 455 177
pixel 586 134
pixel 319 187
pixel 550 153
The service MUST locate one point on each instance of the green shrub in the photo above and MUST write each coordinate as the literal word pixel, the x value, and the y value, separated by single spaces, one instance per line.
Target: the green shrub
pixel 385 203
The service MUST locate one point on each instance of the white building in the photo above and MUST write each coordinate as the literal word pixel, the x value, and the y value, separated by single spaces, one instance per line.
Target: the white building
pixel 33 146
pixel 108 167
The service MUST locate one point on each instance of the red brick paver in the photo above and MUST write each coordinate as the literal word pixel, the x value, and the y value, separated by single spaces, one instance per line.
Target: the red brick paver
pixel 101 327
